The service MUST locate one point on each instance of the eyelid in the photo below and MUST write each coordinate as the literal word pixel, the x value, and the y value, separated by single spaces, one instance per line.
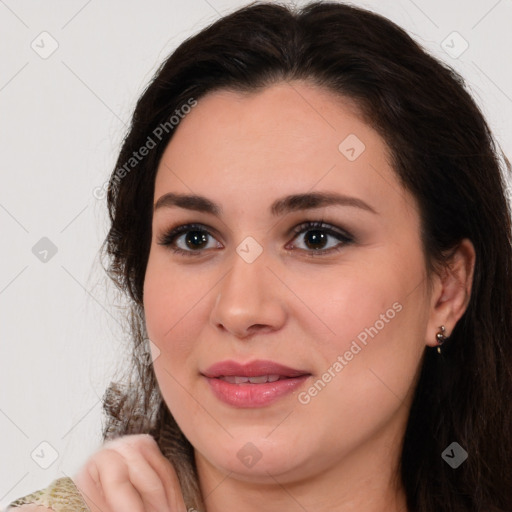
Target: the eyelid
pixel 344 237
pixel 320 224
pixel 168 236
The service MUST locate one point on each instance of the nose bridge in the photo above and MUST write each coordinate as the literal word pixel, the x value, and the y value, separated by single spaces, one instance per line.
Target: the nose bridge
pixel 249 264
pixel 246 296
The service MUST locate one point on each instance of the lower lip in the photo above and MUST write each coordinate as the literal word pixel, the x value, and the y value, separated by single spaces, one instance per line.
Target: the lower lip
pixel 254 395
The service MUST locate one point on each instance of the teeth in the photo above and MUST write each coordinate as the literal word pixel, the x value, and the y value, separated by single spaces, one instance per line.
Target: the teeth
pixel 258 380
pixel 232 379
pixel 261 379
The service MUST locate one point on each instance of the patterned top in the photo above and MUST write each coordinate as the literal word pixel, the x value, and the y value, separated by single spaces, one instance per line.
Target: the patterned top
pixel 61 495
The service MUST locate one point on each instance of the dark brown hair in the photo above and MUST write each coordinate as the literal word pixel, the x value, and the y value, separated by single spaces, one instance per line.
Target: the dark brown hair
pixel 442 151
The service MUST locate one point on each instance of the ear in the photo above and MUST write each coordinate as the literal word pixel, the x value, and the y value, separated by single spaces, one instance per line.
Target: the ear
pixel 451 291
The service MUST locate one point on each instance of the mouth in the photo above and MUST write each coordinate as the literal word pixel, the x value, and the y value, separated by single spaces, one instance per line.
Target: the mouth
pixel 258 368
pixel 254 384
pixel 261 379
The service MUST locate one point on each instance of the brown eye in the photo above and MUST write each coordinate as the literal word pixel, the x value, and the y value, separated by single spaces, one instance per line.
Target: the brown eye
pixel 317 235
pixel 189 239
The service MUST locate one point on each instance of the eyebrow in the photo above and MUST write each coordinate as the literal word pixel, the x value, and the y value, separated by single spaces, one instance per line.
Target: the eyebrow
pixel 291 203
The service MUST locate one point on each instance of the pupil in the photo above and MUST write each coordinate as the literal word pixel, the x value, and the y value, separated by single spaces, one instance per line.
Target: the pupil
pixel 195 238
pixel 315 236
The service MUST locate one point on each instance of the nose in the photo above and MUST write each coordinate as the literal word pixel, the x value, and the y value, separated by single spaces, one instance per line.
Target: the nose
pixel 250 299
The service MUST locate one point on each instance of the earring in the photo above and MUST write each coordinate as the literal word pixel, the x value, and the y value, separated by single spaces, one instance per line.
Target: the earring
pixel 441 338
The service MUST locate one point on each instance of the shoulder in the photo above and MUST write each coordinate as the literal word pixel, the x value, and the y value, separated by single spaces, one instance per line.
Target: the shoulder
pixel 60 496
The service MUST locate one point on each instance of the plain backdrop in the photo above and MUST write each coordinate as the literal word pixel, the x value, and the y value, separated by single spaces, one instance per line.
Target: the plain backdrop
pixel 70 74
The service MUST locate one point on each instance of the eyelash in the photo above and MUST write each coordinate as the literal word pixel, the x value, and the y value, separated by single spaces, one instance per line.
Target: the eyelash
pixel 168 239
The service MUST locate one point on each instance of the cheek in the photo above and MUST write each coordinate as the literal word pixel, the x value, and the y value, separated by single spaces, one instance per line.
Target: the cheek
pixel 168 304
pixel 171 309
pixel 351 303
pixel 177 307
pixel 368 366
pixel 371 323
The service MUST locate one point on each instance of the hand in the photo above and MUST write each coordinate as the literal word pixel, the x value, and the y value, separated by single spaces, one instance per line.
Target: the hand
pixel 130 474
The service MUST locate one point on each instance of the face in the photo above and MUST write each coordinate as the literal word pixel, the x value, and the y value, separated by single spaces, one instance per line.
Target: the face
pixel 303 264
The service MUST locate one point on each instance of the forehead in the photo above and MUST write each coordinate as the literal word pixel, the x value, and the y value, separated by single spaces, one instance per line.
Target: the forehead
pixel 282 116
pixel 295 136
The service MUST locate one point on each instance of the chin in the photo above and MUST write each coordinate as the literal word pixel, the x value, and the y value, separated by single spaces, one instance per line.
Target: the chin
pixel 259 461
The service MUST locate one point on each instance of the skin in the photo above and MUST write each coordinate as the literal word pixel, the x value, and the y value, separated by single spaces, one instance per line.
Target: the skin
pixel 339 451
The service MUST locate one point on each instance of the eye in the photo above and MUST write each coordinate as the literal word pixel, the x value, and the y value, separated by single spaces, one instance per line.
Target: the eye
pixel 316 234
pixel 192 239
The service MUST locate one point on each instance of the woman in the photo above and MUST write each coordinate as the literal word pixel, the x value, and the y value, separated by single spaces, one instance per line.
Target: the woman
pixel 310 219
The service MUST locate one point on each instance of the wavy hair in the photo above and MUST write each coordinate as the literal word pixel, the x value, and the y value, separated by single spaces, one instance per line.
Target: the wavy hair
pixel 442 151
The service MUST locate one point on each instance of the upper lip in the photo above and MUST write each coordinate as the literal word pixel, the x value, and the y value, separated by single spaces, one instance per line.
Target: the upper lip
pixel 252 369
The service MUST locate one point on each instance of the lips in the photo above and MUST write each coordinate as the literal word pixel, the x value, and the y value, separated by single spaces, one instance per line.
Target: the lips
pixel 253 369
pixel 254 384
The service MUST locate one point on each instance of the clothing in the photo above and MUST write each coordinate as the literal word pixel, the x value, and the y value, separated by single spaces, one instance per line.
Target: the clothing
pixel 61 495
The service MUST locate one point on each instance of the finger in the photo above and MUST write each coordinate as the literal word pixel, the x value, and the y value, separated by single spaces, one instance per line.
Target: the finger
pixel 88 485
pixel 120 493
pixel 166 472
pixel 124 497
pixel 143 477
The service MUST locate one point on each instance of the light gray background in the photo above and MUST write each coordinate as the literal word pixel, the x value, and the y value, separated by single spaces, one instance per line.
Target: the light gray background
pixel 61 123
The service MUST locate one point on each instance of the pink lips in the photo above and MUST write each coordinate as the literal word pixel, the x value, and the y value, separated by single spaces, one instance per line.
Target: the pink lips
pixel 255 384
